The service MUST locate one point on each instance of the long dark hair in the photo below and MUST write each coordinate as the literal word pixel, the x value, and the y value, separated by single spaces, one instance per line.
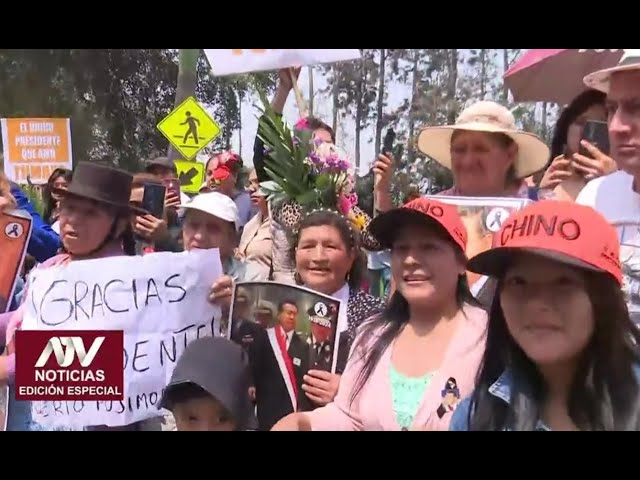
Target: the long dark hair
pixel 49 202
pixel 394 317
pixel 348 234
pixel 577 107
pixel 605 392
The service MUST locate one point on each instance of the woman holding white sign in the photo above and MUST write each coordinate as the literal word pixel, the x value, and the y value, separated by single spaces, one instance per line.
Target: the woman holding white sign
pixel 94 223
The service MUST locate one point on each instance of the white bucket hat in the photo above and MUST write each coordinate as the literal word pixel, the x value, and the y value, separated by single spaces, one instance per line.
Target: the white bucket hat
pixel 216 204
pixel 486 116
pixel 600 80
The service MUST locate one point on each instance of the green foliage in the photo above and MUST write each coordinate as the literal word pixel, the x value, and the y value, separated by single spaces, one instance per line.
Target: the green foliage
pixel 114 97
pixel 292 175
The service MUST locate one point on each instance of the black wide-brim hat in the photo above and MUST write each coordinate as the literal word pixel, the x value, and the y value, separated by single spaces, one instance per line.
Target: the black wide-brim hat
pixel 102 184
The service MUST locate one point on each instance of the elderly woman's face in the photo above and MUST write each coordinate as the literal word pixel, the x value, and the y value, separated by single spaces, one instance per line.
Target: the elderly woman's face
pixel 480 163
pixel 201 230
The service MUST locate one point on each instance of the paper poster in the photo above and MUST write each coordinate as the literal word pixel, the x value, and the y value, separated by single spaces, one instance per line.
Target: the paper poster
pixel 227 61
pixel 160 302
pixel 34 147
pixel 297 324
pixel 482 217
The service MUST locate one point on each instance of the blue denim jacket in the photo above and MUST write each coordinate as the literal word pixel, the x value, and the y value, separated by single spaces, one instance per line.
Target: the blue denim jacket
pixel 501 389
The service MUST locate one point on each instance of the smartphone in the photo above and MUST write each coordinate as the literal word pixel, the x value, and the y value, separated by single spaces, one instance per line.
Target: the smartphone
pixel 388 142
pixel 153 199
pixel 173 186
pixel 596 133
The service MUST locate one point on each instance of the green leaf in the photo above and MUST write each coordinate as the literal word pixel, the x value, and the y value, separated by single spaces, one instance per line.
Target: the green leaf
pixel 323 181
pixel 307 198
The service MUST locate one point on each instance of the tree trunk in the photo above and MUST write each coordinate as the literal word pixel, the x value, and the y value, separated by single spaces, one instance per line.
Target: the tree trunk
pixel 452 109
pixel 413 108
pixel 483 73
pixel 505 61
pixel 336 91
pixel 311 90
pixel 187 81
pixel 381 86
pixel 359 110
pixel 240 98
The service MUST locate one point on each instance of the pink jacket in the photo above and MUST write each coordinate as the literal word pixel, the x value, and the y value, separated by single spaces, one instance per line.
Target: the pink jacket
pixel 372 409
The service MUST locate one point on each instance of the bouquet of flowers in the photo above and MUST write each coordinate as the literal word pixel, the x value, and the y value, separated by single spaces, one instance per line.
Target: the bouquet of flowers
pixel 313 173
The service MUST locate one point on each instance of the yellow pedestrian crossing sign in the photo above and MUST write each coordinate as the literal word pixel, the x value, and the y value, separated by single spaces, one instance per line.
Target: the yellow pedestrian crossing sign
pixel 189 128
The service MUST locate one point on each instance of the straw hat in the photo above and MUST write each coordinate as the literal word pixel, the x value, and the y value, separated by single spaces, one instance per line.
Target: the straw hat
pixel 600 80
pixel 485 116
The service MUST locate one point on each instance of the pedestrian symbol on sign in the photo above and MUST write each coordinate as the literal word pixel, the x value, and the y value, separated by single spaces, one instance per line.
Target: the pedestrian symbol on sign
pixel 193 128
pixel 189 128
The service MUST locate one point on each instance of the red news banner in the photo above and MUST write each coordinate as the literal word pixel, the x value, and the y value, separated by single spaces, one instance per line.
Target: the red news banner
pixel 73 364
pixel 101 337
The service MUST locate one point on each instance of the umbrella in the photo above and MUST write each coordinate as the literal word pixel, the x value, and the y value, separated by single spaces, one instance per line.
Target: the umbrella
pixel 555 75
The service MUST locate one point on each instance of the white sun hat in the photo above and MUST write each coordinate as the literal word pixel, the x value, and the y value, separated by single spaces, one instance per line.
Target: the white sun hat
pixel 491 117
pixel 600 80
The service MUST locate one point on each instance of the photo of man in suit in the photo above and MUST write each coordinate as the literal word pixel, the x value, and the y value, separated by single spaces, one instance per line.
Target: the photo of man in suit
pixel 280 361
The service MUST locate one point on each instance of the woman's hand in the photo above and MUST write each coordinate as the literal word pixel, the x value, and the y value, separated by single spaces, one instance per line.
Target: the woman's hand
pixel 220 293
pixel 383 173
pixel 284 78
pixel 598 166
pixel 558 172
pixel 294 422
pixel 321 387
pixel 151 228
pixel 5 204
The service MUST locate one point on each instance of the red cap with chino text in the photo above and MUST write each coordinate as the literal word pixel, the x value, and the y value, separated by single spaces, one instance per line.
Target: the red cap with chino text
pixel 563 231
pixel 385 226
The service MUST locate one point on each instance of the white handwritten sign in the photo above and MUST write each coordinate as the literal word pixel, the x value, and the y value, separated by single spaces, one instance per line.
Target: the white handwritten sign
pixel 227 61
pixel 158 300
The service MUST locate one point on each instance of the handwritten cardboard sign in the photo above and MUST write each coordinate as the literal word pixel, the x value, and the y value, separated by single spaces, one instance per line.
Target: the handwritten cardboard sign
pixel 227 61
pixel 160 302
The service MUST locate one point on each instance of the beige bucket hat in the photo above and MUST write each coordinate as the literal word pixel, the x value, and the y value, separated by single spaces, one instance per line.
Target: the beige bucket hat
pixel 486 116
pixel 600 80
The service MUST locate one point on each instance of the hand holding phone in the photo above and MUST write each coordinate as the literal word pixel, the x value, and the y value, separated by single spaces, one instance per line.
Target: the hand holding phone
pixel 389 140
pixel 153 199
pixel 597 134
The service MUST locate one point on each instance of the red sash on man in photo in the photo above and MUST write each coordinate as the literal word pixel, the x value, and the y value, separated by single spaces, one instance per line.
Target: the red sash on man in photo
pixel 282 343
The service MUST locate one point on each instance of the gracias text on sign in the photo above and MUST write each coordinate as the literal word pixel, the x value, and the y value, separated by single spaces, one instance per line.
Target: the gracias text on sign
pixel 34 147
pixel 160 302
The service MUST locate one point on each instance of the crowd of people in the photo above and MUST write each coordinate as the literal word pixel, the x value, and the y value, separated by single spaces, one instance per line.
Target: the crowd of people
pixel 555 350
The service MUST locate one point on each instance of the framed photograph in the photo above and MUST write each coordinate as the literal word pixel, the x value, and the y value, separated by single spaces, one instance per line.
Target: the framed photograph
pixel 300 327
pixel 482 218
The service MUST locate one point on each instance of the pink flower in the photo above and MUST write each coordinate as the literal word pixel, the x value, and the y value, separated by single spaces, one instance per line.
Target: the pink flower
pixel 302 124
pixel 344 204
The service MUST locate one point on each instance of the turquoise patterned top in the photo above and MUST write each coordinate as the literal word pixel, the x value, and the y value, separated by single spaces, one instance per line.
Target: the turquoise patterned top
pixel 407 394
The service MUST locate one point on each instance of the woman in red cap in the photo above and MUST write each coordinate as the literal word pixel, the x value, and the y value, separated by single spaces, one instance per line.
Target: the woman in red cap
pixel 410 365
pixel 561 349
